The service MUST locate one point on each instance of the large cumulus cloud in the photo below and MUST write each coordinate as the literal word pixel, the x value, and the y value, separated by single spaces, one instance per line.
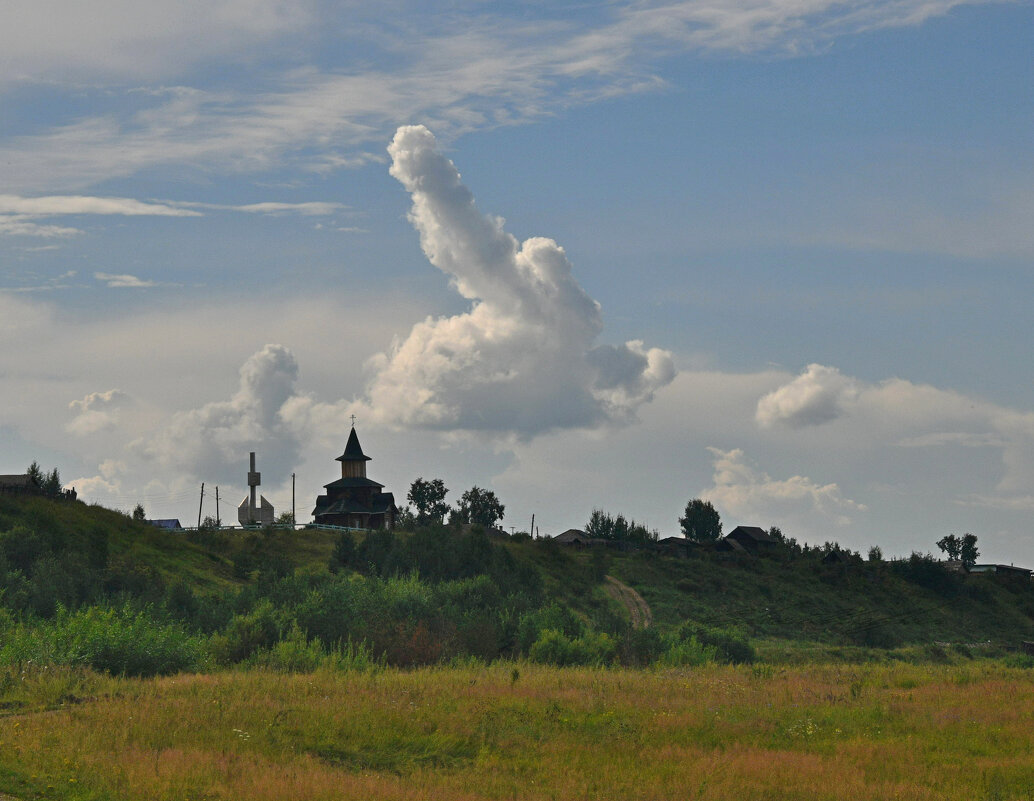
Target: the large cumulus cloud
pixel 522 360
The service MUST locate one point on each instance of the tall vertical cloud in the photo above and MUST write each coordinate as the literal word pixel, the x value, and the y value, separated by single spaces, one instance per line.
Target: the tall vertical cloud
pixel 214 440
pixel 522 360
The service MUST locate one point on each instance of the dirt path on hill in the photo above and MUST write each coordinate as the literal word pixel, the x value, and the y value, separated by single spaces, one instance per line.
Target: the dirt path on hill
pixel 637 608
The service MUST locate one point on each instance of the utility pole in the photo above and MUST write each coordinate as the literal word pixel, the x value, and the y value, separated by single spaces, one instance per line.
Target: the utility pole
pixel 200 504
pixel 532 530
pixel 294 520
pixel 218 519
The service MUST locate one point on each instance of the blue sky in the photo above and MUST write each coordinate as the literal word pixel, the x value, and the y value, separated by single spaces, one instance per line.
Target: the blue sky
pixel 806 227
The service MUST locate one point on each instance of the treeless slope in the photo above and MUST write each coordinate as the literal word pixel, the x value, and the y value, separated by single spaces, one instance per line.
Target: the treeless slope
pixel 638 609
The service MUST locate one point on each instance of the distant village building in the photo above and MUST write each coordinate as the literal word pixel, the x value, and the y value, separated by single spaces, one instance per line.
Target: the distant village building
pixel 251 512
pixel 1006 571
pixel 354 500
pixel 168 523
pixel 25 484
pixel 577 538
pixel 676 546
pixel 18 482
pixel 752 539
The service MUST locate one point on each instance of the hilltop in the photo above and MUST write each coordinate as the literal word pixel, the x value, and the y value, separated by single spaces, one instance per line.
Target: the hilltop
pixel 215 597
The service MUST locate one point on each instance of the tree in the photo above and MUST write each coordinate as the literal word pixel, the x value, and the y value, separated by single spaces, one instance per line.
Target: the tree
pixel 479 506
pixel 701 522
pixel 52 483
pixel 603 526
pixel 35 474
pixel 600 525
pixel 285 519
pixel 969 552
pixel 951 545
pixel 960 549
pixel 875 554
pixel 429 499
pixel 139 513
pixel 344 552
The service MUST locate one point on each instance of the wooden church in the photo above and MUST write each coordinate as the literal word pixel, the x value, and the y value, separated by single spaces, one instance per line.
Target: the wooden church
pixel 355 500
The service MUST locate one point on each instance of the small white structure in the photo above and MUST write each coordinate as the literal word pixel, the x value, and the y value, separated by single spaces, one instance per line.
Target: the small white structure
pixel 250 512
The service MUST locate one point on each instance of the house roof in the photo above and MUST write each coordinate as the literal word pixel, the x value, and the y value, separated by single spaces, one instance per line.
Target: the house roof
pixel 726 544
pixel 753 532
pixel 575 535
pixel 676 541
pixel 165 523
pixel 999 569
pixel 353 450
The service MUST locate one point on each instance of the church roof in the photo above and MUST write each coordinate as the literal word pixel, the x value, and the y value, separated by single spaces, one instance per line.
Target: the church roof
pixel 352 482
pixel 377 505
pixel 353 450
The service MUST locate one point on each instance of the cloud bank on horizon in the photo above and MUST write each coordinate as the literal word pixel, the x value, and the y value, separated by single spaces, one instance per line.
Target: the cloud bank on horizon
pixel 522 361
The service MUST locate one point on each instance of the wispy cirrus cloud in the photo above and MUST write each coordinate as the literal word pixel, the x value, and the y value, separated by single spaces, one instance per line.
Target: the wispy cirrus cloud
pixel 19 215
pixel 123 281
pixel 499 70
pixel 57 205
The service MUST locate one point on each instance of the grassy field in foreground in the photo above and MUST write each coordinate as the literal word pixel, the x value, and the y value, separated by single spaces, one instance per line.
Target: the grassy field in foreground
pixel 510 731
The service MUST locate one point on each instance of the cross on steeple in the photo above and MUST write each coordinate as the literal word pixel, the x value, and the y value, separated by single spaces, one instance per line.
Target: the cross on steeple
pixel 353 421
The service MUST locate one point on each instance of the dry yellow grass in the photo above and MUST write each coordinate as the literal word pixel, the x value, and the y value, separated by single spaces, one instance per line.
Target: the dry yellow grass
pixel 823 732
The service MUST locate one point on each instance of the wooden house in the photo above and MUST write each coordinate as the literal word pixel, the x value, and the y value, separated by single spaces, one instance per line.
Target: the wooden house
pixel 676 546
pixel 753 539
pixel 577 538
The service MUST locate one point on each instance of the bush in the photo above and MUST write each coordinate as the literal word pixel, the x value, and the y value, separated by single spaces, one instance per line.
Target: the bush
pixel 730 645
pixel 687 653
pixel 246 634
pixel 553 647
pixel 293 654
pixel 122 642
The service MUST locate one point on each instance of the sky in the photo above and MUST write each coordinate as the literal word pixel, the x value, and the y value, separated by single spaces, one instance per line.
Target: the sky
pixel 618 255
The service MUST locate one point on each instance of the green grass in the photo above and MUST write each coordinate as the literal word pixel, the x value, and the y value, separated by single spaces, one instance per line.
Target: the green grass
pixel 506 730
pixel 800 602
pixel 804 601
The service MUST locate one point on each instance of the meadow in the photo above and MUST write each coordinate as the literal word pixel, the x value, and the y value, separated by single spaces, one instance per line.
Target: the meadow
pixel 440 663
pixel 511 730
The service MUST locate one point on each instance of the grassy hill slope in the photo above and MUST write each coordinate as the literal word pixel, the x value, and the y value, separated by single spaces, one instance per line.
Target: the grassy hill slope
pixel 70 554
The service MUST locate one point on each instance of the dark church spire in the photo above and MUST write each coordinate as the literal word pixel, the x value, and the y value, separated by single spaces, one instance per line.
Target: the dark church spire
pixel 353 450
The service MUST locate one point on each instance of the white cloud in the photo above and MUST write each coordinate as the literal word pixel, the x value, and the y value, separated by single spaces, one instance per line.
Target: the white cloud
pixel 902 414
pixel 96 412
pixel 266 415
pixel 816 396
pixel 18 214
pixel 20 225
pixel 495 72
pixel 54 205
pixel 123 281
pixel 522 360
pixel 124 39
pixel 307 209
pixel 744 491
